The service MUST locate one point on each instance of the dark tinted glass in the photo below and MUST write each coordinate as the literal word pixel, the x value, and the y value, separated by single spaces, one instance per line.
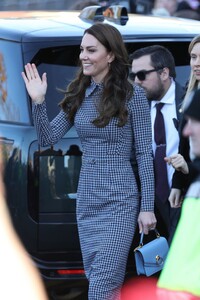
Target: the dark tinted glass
pixel 58 180
pixel 60 64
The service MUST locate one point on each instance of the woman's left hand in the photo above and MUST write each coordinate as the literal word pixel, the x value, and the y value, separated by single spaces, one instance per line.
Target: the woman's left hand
pixel 146 221
pixel 178 163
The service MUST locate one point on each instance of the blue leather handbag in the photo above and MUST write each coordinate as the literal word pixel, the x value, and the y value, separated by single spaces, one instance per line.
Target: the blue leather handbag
pixel 150 258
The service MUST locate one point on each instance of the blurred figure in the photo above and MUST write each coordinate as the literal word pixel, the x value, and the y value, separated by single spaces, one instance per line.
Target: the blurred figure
pixel 164 7
pixel 26 284
pixel 188 9
pixel 145 288
pixel 188 4
pixel 83 3
pixel 187 14
pixel 140 288
pixel 142 7
pixel 181 273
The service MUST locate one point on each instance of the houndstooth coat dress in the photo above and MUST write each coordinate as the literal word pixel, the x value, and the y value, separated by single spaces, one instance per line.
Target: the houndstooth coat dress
pixel 107 199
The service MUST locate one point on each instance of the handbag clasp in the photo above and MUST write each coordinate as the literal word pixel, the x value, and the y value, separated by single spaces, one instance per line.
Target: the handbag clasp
pixel 159 260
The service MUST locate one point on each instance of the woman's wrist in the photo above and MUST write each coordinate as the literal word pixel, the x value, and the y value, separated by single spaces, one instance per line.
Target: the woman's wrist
pixel 185 169
pixel 38 100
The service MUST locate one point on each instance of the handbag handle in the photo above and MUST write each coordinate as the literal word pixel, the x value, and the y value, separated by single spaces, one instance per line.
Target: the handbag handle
pixel 142 237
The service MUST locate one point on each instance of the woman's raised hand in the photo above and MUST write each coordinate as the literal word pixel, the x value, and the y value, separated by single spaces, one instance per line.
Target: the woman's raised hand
pixel 35 85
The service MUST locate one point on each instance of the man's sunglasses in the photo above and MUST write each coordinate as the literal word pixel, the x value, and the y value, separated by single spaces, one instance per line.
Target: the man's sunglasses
pixel 141 75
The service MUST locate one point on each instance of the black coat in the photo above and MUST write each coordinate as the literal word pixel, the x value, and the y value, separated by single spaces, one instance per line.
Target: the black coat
pixel 182 181
pixel 179 95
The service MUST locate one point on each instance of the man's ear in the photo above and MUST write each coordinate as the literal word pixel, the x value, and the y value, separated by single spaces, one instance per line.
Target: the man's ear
pixel 164 73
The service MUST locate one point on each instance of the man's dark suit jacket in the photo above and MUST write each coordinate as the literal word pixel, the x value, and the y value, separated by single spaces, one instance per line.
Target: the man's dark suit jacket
pixel 167 217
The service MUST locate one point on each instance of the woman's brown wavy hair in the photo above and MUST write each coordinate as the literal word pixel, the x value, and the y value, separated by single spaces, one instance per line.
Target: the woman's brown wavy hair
pixel 117 88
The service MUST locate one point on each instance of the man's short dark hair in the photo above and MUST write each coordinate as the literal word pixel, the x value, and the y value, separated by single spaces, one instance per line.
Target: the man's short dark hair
pixel 161 57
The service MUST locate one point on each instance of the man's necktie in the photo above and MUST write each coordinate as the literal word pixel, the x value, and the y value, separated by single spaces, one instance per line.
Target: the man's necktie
pixel 161 179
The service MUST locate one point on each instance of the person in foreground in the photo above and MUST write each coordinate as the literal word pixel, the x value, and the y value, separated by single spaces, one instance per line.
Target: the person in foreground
pixel 181 273
pixel 26 284
pixel 109 114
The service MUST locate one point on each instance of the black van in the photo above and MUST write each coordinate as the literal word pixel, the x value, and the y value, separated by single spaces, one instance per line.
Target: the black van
pixel 41 183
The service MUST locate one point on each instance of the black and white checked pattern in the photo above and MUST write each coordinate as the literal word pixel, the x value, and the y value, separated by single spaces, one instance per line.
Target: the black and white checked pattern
pixel 108 200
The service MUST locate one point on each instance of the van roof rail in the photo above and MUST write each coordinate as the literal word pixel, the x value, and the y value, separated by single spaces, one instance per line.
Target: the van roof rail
pixel 114 13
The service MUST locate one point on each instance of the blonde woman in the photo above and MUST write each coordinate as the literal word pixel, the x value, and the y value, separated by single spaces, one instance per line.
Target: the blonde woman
pixel 181 161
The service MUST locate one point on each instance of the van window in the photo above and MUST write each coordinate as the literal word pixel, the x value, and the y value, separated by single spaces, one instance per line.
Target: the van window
pixel 53 178
pixel 58 180
pixel 12 92
pixel 61 65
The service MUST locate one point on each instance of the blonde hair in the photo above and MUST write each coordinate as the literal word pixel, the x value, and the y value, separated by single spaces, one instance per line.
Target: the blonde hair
pixel 193 83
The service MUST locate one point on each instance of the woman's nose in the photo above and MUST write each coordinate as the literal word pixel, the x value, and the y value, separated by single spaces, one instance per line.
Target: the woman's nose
pixel 83 55
pixel 197 62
